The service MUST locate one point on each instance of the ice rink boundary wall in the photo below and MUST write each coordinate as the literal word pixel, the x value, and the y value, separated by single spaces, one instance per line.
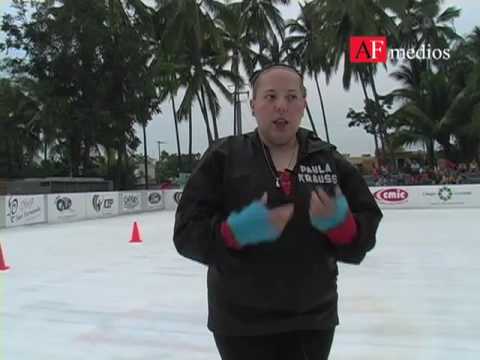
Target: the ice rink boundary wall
pixel 17 210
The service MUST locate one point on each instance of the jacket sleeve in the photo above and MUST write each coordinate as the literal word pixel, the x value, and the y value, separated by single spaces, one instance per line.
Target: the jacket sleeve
pixel 200 211
pixel 364 208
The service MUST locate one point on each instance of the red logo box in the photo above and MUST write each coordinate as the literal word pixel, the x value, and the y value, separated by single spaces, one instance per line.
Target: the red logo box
pixel 391 196
pixel 368 49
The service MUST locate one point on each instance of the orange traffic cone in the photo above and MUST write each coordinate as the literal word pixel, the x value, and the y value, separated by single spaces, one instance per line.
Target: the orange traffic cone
pixel 136 238
pixel 3 266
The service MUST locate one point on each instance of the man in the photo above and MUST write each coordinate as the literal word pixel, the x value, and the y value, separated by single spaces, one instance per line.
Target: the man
pixel 270 213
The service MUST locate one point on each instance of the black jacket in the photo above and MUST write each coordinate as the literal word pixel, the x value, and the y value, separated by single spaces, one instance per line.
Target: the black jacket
pixel 282 286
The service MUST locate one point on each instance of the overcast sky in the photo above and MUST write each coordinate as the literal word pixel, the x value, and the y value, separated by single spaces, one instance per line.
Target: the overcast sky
pixel 337 102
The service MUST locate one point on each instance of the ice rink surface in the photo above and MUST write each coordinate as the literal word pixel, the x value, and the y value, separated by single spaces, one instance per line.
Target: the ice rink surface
pixel 81 291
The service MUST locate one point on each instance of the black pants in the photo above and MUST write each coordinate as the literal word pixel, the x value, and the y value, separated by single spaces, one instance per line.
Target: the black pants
pixel 298 345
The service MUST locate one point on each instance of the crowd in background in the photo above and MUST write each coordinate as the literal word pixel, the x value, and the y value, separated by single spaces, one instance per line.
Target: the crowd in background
pixel 414 172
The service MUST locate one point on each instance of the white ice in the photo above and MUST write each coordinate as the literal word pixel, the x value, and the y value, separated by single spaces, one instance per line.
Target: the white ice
pixel 81 291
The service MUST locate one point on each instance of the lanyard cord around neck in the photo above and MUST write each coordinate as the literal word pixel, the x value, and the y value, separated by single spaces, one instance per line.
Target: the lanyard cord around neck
pixel 273 171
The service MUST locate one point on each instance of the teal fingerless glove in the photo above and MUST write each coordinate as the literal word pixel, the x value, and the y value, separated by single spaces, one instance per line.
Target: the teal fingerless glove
pixel 252 225
pixel 326 224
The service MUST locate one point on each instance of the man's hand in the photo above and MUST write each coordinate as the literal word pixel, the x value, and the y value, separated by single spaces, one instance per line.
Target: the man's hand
pixel 256 224
pixel 327 212
pixel 280 215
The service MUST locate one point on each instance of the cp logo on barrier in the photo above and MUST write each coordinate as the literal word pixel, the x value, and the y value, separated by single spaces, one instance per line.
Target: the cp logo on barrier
pixel 98 202
pixel 177 196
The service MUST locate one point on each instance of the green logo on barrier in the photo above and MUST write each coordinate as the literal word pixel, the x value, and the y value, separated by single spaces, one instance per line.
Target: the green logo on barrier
pixel 445 193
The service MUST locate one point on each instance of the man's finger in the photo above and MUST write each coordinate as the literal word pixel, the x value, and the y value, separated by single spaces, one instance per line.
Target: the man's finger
pixel 321 195
pixel 321 204
pixel 281 215
pixel 264 198
pixel 338 191
pixel 284 211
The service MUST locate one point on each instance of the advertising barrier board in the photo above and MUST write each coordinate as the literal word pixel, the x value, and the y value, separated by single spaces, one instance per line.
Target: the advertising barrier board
pixel 154 200
pixel 172 197
pixel 66 207
pixel 24 210
pixel 102 204
pixel 130 201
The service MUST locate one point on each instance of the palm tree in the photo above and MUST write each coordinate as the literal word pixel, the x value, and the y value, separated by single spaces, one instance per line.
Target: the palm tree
pixel 343 19
pixel 236 44
pixel 262 21
pixel 166 79
pixel 135 96
pixel 422 23
pixel 19 137
pixel 308 50
pixel 245 25
pixel 198 47
pixel 425 105
pixel 463 118
pixel 198 86
pixel 47 107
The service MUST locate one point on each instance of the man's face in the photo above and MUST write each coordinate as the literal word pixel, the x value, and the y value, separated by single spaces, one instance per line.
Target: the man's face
pixel 278 105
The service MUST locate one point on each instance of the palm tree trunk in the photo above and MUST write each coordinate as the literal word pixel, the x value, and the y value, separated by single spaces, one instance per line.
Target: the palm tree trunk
pixel 118 168
pixel 109 155
pixel 215 127
pixel 205 118
pixel 74 155
pixel 374 122
pixel 323 108
pixel 9 156
pixel 122 163
pixel 477 154
pixel 190 148
pixel 214 120
pixel 212 112
pixel 239 116
pixel 86 155
pixel 447 149
pixel 311 120
pixel 179 152
pixel 18 155
pixel 375 139
pixel 145 158
pixel 235 112
pixel 45 150
pixel 431 151
pixel 381 120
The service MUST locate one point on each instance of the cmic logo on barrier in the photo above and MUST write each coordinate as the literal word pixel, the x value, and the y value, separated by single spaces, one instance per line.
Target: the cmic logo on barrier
pixel 154 198
pixel 98 202
pixel 177 196
pixel 63 203
pixel 391 196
